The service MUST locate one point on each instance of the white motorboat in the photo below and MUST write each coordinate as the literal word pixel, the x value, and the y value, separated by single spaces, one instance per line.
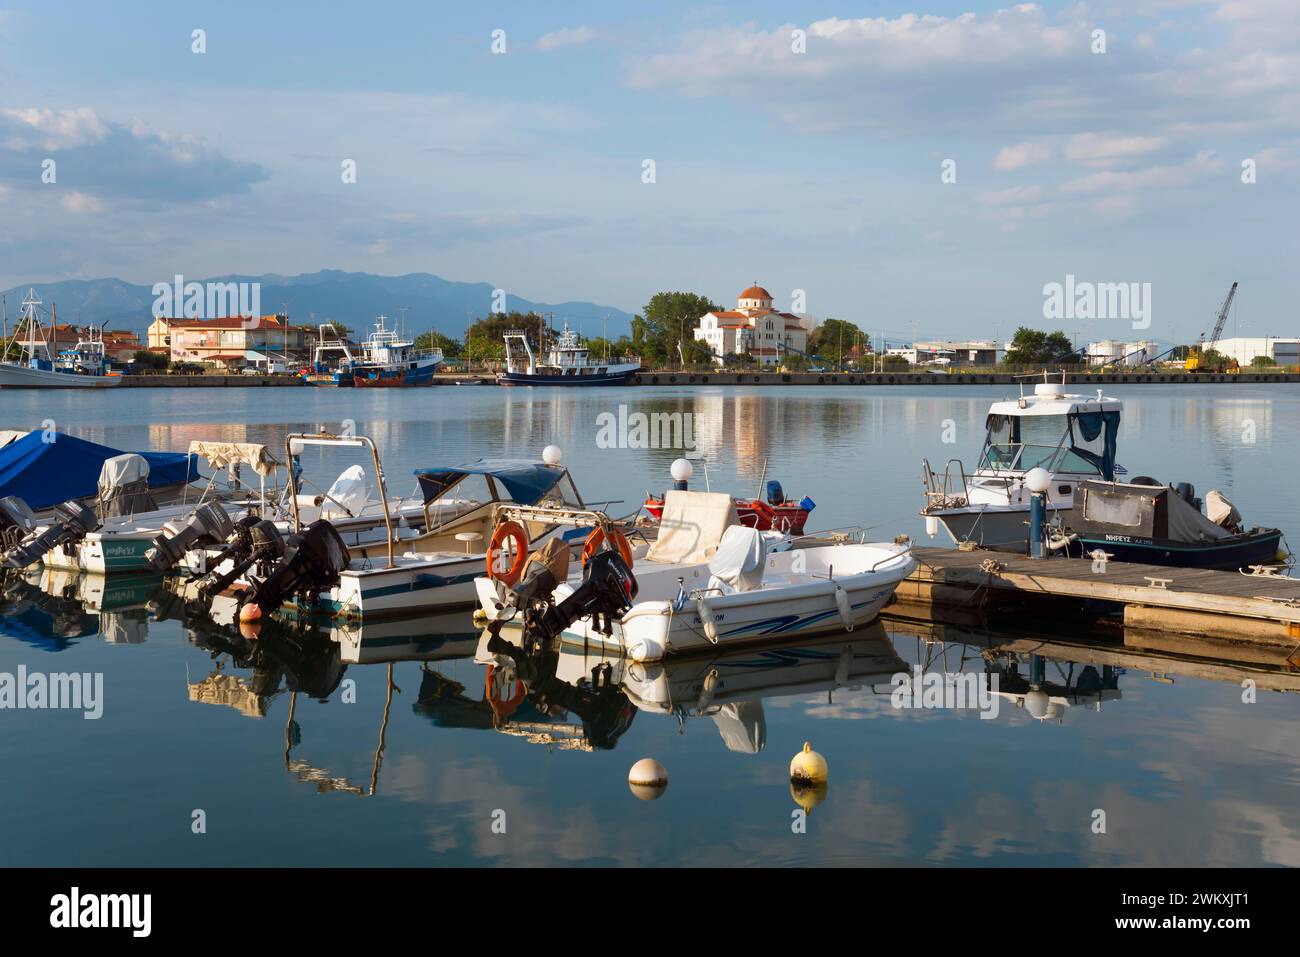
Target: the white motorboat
pixel 708 582
pixel 568 363
pixel 1072 437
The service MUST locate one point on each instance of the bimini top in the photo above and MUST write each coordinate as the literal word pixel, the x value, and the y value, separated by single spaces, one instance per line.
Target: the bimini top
pixel 44 469
pixel 524 480
pixel 1050 398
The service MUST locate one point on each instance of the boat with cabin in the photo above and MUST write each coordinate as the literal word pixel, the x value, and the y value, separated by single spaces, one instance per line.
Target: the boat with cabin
pixel 1072 437
pixel 85 366
pixel 389 359
pixel 568 363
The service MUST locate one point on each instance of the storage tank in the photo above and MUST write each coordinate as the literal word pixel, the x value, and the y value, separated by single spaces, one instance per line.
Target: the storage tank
pixel 1108 350
pixel 1137 353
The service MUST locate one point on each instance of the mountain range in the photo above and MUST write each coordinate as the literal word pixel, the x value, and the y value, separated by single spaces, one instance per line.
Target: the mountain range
pixel 353 298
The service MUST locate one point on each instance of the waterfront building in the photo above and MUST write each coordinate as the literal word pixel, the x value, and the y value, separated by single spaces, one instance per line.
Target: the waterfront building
pixel 231 342
pixel 1285 351
pixel 755 326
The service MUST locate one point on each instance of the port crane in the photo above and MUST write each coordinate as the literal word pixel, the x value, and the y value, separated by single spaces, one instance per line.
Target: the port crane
pixel 1198 351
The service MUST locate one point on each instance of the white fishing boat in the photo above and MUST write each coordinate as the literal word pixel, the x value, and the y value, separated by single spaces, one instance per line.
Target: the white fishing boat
pixel 708 582
pixel 568 363
pixel 1072 437
pixel 37 367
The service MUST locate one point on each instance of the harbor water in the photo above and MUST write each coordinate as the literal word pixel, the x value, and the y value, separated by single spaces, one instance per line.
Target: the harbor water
pixel 289 755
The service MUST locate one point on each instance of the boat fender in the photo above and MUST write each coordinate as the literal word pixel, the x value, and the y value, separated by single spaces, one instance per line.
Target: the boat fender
pixel 707 618
pixel 844 605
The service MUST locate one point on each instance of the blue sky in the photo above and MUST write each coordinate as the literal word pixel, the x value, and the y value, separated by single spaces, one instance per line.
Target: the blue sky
pixel 817 171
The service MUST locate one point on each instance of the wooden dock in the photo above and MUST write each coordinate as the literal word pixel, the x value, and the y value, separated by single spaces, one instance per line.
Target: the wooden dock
pixel 952 584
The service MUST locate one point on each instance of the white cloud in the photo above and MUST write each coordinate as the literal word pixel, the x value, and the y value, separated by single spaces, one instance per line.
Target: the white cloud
pixel 1106 149
pixel 1153 177
pixel 566 37
pixel 81 203
pixel 52 130
pixel 1021 155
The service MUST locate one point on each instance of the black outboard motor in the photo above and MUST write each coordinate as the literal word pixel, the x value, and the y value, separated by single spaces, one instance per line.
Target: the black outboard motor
pixel 209 525
pixel 255 542
pixel 71 522
pixel 1187 492
pixel 17 521
pixel 311 564
pixel 607 591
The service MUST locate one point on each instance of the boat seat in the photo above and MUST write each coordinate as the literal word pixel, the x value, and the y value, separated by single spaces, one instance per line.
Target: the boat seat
pixel 737 565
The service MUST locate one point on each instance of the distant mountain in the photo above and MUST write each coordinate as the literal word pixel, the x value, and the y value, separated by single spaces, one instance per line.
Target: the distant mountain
pixel 353 298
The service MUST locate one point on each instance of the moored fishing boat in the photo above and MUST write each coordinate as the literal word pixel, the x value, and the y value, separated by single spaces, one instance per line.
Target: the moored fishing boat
pixel 1073 437
pixel 390 360
pixel 83 367
pixel 568 363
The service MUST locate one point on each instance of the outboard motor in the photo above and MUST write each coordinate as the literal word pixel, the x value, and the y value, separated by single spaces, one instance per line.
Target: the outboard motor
pixel 209 525
pixel 72 522
pixel 607 591
pixel 1187 492
pixel 310 565
pixel 255 542
pixel 17 521
pixel 775 495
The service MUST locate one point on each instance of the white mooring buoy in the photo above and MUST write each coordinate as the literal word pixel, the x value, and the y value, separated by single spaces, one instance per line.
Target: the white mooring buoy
pixel 648 779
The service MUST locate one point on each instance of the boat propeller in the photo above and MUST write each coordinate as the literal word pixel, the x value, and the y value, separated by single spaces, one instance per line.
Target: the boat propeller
pixel 71 522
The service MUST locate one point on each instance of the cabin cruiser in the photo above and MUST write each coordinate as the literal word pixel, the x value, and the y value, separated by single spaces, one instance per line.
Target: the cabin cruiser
pixel 1072 437
pixel 567 364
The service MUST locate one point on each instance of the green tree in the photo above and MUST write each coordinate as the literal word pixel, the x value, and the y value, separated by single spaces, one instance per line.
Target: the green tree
pixel 428 341
pixel 794 362
pixel 1262 362
pixel 480 348
pixel 834 338
pixel 739 360
pixel 1032 347
pixel 151 360
pixel 669 317
pixel 894 364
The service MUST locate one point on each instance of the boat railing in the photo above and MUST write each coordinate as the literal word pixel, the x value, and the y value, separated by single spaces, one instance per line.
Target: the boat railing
pixel 941 491
pixel 295 442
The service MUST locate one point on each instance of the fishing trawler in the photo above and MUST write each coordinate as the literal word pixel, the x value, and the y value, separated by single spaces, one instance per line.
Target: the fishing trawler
pixel 388 359
pixel 568 363
pixel 332 360
pixel 37 367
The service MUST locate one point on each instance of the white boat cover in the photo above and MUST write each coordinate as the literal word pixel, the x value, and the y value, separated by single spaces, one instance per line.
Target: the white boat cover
pixel 122 470
pixel 738 563
pixel 1221 511
pixel 347 496
pixel 10 435
pixel 225 454
pixel 692 526
pixel 742 725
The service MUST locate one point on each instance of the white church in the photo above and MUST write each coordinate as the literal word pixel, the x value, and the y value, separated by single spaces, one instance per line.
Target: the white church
pixel 753 327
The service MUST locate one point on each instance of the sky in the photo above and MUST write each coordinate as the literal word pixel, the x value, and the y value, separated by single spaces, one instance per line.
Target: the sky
pixel 920 168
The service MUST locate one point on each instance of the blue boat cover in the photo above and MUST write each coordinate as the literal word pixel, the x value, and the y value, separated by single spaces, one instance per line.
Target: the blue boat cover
pixel 44 473
pixel 525 481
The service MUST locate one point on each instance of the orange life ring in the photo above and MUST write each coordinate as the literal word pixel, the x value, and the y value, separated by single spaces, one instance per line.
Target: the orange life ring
pixel 503 707
pixel 594 540
pixel 515 532
pixel 762 511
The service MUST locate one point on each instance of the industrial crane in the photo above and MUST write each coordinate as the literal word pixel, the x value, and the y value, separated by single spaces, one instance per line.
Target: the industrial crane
pixel 1198 351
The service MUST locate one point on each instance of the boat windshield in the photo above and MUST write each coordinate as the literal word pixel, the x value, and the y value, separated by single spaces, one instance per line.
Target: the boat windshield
pixel 1078 443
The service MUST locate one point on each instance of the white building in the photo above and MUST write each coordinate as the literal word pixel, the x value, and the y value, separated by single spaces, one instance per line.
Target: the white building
pixel 1283 351
pixel 971 352
pixel 754 327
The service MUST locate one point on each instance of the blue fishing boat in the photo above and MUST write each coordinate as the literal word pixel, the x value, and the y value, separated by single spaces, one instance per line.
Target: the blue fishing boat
pixel 85 366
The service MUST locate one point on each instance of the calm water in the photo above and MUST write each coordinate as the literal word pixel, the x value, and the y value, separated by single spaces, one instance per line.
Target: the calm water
pixel 1158 738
